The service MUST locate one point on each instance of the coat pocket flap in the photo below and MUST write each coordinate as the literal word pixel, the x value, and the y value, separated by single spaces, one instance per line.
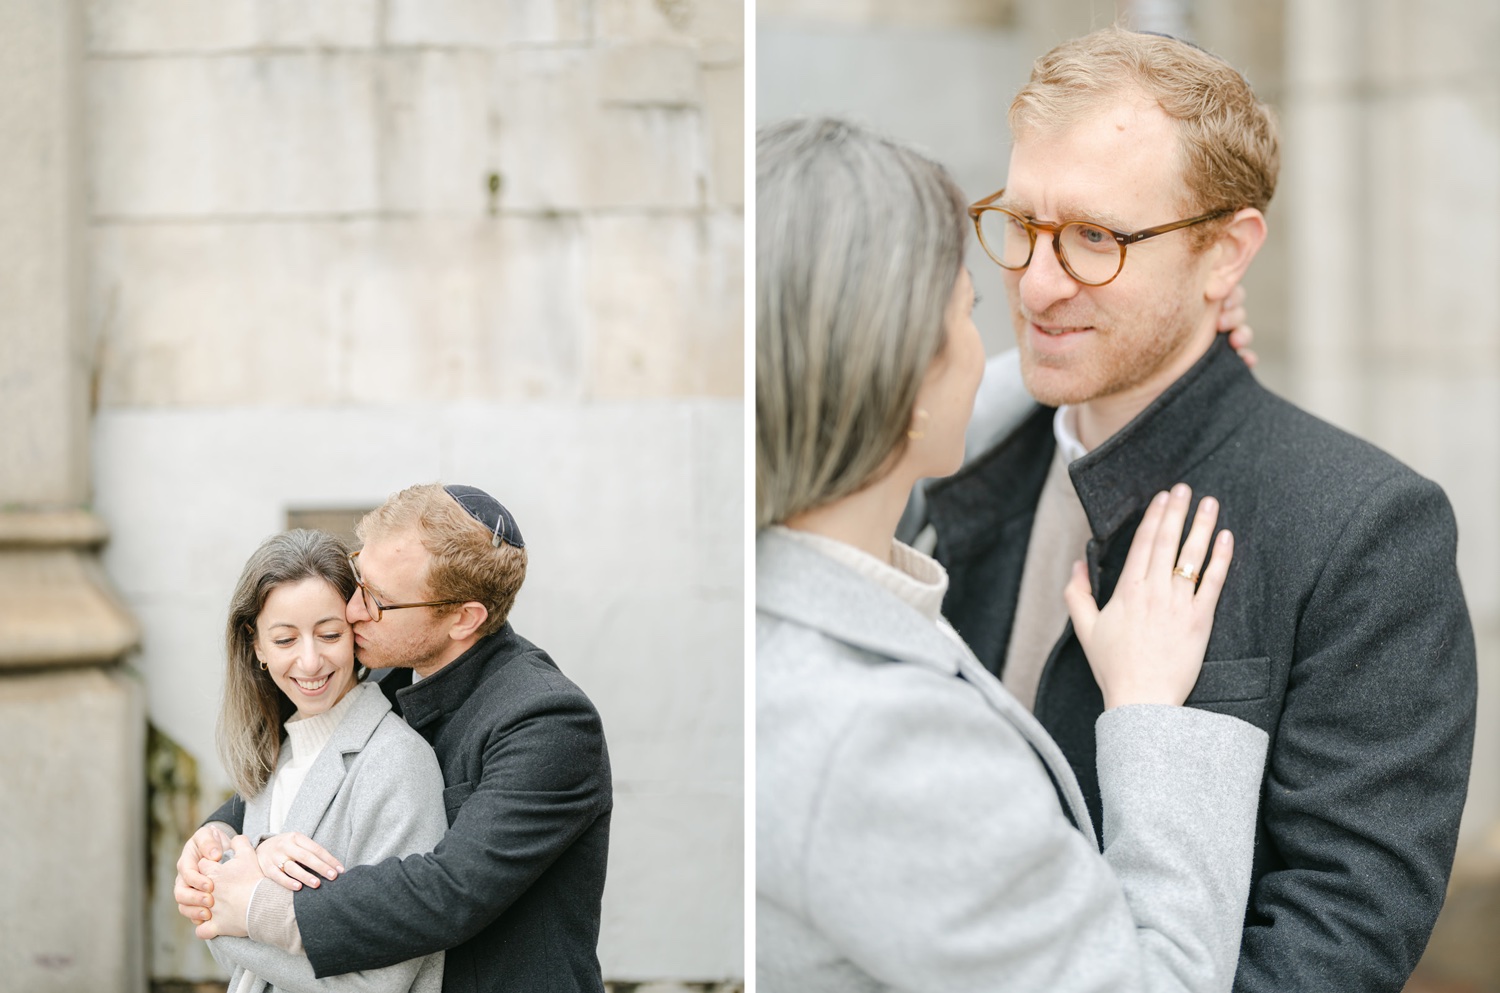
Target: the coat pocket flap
pixel 454 797
pixel 1232 679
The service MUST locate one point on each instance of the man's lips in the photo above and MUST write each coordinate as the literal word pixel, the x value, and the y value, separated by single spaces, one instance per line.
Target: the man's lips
pixel 1057 331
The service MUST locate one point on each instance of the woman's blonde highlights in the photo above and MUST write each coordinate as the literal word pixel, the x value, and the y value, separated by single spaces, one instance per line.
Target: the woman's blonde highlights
pixel 859 241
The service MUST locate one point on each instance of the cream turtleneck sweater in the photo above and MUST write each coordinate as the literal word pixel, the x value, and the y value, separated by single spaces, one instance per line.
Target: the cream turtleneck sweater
pixel 917 579
pixel 306 737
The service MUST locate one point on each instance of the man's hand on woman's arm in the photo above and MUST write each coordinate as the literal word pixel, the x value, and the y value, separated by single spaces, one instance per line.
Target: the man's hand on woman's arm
pixel 193 890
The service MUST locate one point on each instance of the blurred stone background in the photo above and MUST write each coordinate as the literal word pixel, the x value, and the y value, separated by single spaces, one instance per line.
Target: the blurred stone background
pixel 1376 302
pixel 266 262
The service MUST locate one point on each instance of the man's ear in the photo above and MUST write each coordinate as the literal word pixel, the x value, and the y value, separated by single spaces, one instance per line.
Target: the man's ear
pixel 466 620
pixel 1231 254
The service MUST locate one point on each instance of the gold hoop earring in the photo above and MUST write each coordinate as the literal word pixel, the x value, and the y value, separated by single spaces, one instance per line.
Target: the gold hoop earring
pixel 262 664
pixel 913 433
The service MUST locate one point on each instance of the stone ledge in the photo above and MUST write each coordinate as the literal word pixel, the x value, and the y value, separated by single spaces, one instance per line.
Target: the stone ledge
pixel 56 608
pixel 50 529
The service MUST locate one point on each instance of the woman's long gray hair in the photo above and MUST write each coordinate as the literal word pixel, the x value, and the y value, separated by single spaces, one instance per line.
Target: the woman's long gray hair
pixel 859 241
pixel 249 732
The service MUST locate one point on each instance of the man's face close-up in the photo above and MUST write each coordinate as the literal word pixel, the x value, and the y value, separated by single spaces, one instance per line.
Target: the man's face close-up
pixel 394 568
pixel 1119 168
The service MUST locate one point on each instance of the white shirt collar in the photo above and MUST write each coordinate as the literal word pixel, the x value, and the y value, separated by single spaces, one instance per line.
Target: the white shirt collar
pixel 1064 429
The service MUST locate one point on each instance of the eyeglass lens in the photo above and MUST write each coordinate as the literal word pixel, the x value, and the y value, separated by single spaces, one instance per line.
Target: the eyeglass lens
pixel 371 606
pixel 1091 252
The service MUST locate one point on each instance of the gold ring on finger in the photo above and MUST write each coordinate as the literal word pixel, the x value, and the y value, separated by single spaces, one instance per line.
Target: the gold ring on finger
pixel 281 866
pixel 1187 572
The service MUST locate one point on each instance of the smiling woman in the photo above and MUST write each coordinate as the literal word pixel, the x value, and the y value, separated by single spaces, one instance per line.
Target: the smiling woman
pixel 290 595
pixel 302 639
pixel 320 759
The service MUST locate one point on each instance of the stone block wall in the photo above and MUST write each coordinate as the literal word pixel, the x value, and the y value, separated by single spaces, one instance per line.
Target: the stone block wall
pixel 335 249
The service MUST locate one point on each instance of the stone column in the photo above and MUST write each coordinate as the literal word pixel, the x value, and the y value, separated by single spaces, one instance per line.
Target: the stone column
pixel 72 724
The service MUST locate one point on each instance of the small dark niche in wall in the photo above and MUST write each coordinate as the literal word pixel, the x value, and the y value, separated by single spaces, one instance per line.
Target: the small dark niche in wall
pixel 337 521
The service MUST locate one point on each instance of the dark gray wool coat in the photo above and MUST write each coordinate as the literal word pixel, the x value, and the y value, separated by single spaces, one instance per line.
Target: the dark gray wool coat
pixel 513 889
pixel 1342 632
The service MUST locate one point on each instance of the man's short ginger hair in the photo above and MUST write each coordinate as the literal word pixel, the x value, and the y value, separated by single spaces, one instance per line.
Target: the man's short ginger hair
pixel 466 565
pixel 1228 143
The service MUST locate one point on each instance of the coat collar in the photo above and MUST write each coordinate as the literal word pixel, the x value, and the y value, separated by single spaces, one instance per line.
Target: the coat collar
pixel 367 710
pixel 1179 429
pixel 799 584
pixel 1185 425
pixel 451 686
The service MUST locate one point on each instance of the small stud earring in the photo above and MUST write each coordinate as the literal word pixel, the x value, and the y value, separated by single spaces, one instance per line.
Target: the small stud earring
pixel 914 433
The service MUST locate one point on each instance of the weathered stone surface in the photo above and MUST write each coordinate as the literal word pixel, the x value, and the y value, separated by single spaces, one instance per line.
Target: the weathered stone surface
pixel 338 313
pixel 886 13
pixel 71 906
pixel 487 23
pixel 236 135
pixel 43 392
pixel 156 27
pixel 1451 42
pixel 667 322
pixel 724 113
pixel 677 856
pixel 660 73
pixel 1423 314
pixel 564 144
pixel 436 133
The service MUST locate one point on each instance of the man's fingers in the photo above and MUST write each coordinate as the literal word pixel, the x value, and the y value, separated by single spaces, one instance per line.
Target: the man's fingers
pixel 193 878
pixel 1232 311
pixel 187 896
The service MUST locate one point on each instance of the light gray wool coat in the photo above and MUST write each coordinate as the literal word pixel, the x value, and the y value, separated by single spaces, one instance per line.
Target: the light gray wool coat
pixel 375 791
pixel 909 835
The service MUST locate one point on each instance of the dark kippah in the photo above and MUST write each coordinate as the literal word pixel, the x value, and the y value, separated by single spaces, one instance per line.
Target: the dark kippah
pixel 490 512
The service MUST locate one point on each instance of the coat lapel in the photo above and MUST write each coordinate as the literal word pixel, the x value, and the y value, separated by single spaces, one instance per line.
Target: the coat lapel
pixel 327 772
pixel 799 584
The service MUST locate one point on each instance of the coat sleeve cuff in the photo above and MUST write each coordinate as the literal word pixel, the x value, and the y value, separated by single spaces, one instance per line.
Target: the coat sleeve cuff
pixel 271 918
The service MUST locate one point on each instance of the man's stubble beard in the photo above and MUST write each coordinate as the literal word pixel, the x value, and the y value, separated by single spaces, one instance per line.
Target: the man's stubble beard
pixel 414 654
pixel 1116 362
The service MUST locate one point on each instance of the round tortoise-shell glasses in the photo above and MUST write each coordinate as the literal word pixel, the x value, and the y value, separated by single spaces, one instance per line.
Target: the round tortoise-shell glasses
pixel 374 607
pixel 1091 253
